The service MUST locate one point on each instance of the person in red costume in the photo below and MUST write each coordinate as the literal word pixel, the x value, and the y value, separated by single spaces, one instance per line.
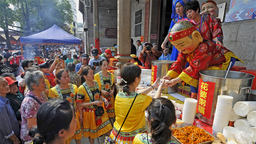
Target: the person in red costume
pixel 201 55
pixel 210 6
pixel 207 24
pixel 45 68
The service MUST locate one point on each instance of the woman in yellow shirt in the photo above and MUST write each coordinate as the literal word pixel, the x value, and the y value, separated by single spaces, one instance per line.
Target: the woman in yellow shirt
pixel 89 98
pixel 67 91
pixel 161 117
pixel 135 122
pixel 105 81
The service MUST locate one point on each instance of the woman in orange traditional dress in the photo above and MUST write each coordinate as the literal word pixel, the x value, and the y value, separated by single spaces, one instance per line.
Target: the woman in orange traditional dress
pixel 106 81
pixel 67 91
pixel 89 99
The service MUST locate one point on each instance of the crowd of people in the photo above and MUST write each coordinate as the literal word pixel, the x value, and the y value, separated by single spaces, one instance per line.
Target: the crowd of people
pixel 69 98
pixel 60 98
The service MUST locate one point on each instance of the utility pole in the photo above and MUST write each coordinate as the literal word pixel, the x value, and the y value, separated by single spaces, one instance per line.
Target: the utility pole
pixel 96 25
pixel 86 42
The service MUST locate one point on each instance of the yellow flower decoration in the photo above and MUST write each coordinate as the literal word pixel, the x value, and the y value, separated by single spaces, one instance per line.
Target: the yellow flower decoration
pixel 72 95
pixel 107 86
pixel 96 96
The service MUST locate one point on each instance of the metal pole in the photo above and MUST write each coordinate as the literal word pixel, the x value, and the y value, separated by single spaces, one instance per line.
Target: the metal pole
pixel 86 41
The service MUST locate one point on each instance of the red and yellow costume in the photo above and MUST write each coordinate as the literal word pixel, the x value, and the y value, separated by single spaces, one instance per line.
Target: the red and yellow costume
pixel 93 126
pixel 51 79
pixel 68 94
pixel 106 84
pixel 210 28
pixel 39 60
pixel 201 54
pixel 207 56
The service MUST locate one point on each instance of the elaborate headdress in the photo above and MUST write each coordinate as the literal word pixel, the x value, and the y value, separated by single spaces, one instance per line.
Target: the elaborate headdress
pixel 181 29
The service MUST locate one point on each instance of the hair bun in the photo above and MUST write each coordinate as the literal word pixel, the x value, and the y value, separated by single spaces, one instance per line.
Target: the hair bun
pixel 38 139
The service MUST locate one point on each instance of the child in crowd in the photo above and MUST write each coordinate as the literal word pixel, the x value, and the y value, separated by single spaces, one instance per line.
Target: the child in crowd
pixel 89 98
pixel 135 122
pixel 67 91
pixel 56 122
pixel 105 81
pixel 161 117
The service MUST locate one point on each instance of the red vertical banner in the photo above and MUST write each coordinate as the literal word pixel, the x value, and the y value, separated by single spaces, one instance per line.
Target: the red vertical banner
pixel 146 26
pixel 153 74
pixel 205 98
pixel 97 44
pixel 141 38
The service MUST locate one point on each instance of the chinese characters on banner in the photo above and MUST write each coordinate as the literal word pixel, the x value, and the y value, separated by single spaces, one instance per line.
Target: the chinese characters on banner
pixel 205 98
pixel 153 74
pixel 141 38
pixel 146 26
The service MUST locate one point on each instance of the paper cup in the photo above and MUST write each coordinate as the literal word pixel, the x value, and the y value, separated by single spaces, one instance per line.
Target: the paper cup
pixel 251 118
pixel 252 132
pixel 230 132
pixel 233 116
pixel 242 108
pixel 225 99
pixel 188 113
pixel 242 124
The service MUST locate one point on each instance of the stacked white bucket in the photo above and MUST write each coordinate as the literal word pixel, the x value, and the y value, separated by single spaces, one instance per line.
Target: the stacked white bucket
pixel 243 109
pixel 189 110
pixel 222 112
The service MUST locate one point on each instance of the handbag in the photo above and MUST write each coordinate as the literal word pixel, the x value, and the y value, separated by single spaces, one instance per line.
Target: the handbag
pixel 109 140
pixel 99 111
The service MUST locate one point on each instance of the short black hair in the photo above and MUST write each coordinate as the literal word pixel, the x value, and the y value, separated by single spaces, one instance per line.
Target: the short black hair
pixel 192 5
pixel 138 41
pixel 7 75
pixel 48 120
pixel 25 63
pixel 75 56
pixel 101 61
pixel 71 67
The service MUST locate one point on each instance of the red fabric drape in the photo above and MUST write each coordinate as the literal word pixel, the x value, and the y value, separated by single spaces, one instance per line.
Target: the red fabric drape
pixel 97 44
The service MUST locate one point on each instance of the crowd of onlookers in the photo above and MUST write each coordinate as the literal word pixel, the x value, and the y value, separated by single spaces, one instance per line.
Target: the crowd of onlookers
pixel 145 53
pixel 60 98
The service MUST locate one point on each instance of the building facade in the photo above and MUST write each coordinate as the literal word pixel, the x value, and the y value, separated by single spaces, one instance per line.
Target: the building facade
pixel 150 20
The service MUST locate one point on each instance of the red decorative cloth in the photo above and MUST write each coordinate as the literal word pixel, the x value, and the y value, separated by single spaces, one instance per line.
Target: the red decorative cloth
pixel 210 28
pixel 51 79
pixel 207 54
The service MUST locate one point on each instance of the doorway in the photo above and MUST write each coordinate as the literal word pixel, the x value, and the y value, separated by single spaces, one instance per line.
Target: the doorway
pixel 165 20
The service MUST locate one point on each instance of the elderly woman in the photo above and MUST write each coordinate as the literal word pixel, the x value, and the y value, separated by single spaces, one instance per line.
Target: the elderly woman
pixel 9 126
pixel 30 105
pixel 15 97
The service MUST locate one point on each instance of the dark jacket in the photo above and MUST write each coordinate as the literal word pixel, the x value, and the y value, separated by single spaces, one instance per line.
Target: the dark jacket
pixel 133 49
pixel 15 102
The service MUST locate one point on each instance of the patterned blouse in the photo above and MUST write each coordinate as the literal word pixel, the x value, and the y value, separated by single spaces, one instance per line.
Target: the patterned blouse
pixel 75 78
pixel 29 108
